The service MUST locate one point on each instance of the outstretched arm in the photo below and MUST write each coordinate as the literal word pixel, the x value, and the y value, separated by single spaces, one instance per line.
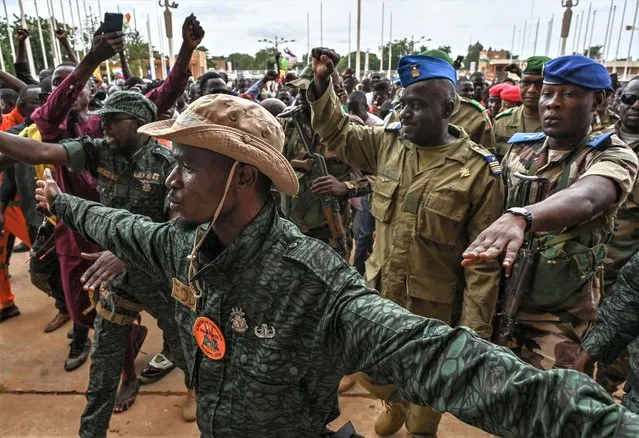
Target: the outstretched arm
pixel 133 239
pixel 31 151
pixel 452 370
pixel 63 37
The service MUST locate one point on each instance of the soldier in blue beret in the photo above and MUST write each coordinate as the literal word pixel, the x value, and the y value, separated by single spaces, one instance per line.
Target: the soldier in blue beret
pixel 435 189
pixel 582 180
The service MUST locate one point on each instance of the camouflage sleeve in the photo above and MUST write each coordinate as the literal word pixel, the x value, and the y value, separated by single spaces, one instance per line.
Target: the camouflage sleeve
pixel 358 146
pixel 618 163
pixel 452 370
pixel 482 279
pixel 132 238
pixel 617 321
pixel 84 153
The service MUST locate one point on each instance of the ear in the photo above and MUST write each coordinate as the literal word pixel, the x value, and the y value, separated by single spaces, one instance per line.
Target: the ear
pixel 449 108
pixel 247 177
pixel 598 100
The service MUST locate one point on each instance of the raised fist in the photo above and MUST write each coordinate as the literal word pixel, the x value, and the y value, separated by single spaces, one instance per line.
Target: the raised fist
pixel 324 62
pixel 22 34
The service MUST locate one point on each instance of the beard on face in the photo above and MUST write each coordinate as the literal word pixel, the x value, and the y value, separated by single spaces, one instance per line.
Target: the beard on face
pixel 183 225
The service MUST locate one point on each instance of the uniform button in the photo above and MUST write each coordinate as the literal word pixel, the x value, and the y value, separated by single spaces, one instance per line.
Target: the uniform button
pixel 243 358
pixel 293 371
pixel 292 245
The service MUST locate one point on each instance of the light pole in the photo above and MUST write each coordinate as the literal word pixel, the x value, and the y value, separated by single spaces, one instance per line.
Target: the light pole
pixel 276 43
pixel 168 26
pixel 632 35
pixel 565 24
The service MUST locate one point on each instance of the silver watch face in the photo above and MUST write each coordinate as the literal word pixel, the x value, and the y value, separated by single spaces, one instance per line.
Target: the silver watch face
pixel 518 210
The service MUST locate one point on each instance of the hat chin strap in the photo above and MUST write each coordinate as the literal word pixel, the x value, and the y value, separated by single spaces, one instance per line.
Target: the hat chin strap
pixel 197 244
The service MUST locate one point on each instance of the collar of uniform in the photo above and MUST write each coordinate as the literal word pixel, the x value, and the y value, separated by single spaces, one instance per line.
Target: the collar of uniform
pixel 454 151
pixel 256 238
pixel 634 144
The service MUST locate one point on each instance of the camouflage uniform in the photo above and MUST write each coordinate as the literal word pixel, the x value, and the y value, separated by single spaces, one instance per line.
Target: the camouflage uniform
pixel 135 184
pixel 599 123
pixel 305 210
pixel 296 317
pixel 555 316
pixel 429 203
pixel 617 326
pixel 623 245
pixel 508 123
pixel 473 117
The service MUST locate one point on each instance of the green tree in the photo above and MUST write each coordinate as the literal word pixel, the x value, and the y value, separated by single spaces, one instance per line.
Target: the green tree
pixel 241 61
pixel 137 52
pixel 595 52
pixel 473 54
pixel 373 62
pixel 445 49
pixel 265 59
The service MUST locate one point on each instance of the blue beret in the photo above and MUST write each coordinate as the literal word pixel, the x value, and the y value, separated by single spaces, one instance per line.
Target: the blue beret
pixel 415 68
pixel 577 70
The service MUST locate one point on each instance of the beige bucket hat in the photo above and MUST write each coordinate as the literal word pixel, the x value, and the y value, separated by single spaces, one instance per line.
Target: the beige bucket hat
pixel 237 128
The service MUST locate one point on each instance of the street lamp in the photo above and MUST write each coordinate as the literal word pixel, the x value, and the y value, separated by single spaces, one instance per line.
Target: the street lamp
pixel 275 42
pixel 168 25
pixel 414 41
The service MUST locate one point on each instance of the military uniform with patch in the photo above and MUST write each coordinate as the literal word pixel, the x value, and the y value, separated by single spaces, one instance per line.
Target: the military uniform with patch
pixel 293 317
pixel 567 282
pixel 429 203
pixel 507 124
pixel 136 184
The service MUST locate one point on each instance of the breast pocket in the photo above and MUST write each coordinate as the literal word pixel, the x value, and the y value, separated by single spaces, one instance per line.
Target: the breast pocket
pixel 441 218
pixel 271 393
pixel 382 200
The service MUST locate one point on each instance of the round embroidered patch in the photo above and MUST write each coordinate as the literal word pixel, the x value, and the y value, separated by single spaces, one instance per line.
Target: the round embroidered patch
pixel 209 338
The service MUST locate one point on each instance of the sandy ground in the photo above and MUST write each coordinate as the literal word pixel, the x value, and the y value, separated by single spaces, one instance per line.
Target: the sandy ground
pixel 39 399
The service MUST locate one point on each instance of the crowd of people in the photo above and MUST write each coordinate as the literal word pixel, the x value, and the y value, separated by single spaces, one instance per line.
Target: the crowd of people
pixel 297 234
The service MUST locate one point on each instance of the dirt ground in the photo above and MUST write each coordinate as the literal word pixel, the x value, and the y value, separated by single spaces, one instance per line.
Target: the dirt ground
pixel 39 399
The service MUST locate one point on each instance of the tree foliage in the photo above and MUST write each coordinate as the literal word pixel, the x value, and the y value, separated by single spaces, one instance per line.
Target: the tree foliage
pixel 473 54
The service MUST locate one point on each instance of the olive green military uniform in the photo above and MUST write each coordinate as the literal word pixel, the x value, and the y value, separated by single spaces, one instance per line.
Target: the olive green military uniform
pixel 508 123
pixel 305 209
pixel 136 184
pixel 603 123
pixel 624 244
pixel 567 282
pixel 296 317
pixel 428 204
pixel 473 117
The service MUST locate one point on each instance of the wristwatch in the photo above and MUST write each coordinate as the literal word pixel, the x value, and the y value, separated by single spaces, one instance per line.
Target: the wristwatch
pixel 523 212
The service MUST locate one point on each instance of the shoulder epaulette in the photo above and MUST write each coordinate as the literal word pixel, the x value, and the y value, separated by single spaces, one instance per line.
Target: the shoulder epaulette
pixel 527 137
pixel 508 112
pixel 596 140
pixel 393 126
pixel 492 161
pixel 474 103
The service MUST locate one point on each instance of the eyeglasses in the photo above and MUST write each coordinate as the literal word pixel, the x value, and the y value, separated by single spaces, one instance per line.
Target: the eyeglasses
pixel 629 99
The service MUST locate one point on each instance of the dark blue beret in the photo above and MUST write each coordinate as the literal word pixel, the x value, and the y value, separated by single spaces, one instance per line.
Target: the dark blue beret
pixel 415 68
pixel 577 70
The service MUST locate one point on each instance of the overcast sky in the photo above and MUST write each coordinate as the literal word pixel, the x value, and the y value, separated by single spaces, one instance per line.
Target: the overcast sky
pixel 236 25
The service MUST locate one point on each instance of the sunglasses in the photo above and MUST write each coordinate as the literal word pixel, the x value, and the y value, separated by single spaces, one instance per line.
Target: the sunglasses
pixel 629 99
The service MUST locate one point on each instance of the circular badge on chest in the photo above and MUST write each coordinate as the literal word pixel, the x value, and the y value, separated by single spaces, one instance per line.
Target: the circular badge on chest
pixel 209 338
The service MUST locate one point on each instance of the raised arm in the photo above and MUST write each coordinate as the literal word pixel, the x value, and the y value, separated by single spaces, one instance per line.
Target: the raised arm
pixel 172 88
pixel 63 37
pixel 452 370
pixel 31 151
pixel 54 112
pixel 21 65
pixel 124 63
pixel 134 239
pixel 9 81
pixel 356 145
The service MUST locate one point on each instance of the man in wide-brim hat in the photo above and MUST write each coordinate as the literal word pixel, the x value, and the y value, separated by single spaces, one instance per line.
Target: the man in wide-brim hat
pixel 270 319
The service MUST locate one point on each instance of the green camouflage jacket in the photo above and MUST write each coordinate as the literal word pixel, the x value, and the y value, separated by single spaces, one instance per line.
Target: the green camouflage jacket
pixel 617 325
pixel 296 318
pixel 507 123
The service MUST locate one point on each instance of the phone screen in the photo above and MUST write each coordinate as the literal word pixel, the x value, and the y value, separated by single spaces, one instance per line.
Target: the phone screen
pixel 112 22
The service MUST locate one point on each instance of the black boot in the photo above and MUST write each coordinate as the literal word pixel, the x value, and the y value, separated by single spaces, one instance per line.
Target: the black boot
pixel 80 348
